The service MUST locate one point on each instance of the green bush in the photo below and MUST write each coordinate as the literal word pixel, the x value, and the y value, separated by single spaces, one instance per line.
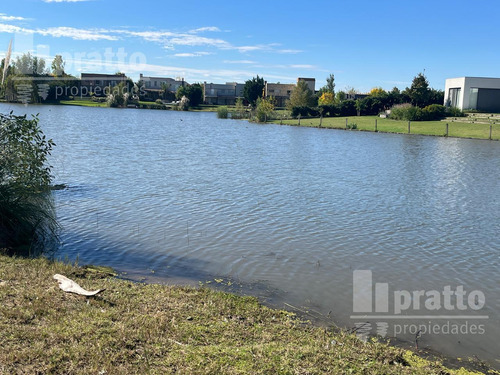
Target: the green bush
pixel 433 112
pixel 454 112
pixel 330 110
pixel 304 112
pixel 406 112
pixel 222 112
pixel 352 126
pixel 347 108
pixel 27 217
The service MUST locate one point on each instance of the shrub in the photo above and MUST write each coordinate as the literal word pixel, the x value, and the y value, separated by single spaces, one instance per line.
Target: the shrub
pixel 159 102
pixel 406 112
pixel 454 112
pixel 264 109
pixel 27 218
pixel 239 110
pixel 348 108
pixel 352 126
pixel 304 112
pixel 433 112
pixel 328 110
pixel 222 112
pixel 183 104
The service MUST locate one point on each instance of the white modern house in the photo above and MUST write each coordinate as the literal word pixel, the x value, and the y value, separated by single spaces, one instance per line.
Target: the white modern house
pixel 478 93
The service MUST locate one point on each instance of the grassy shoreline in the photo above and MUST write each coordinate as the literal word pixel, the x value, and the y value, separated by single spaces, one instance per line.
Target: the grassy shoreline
pixel 456 129
pixel 150 328
pixel 473 127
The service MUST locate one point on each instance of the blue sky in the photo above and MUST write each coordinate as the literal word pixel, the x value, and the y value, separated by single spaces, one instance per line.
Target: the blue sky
pixel 364 43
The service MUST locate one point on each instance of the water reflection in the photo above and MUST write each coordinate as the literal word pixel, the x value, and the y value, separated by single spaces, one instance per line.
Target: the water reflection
pixel 294 209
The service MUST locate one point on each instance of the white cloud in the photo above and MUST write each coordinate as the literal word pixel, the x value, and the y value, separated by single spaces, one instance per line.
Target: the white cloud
pixel 58 32
pixel 11 29
pixel 193 54
pixel 206 28
pixel 302 66
pixel 195 40
pixel 290 51
pixel 77 34
pixel 4 17
pixel 167 39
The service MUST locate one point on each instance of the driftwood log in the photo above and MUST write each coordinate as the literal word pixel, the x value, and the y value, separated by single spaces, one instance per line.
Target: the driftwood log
pixel 70 286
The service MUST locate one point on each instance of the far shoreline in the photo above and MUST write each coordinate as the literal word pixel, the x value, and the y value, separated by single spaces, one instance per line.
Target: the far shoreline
pixel 447 128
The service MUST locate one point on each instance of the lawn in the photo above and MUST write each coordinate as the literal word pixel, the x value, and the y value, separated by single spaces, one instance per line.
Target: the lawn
pixel 83 103
pixel 135 328
pixel 367 123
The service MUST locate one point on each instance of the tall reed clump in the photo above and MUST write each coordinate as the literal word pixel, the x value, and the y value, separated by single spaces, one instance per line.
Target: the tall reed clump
pixel 27 217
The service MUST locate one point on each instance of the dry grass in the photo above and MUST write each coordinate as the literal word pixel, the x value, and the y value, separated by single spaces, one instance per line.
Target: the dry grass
pixel 155 329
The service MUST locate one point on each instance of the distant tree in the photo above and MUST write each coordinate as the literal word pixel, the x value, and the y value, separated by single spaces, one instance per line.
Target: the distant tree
pixel 181 91
pixel 419 92
pixel 394 97
pixel 329 87
pixel 192 92
pixel 253 89
pixel 58 66
pixel 436 97
pixel 327 98
pixel 351 91
pixel 265 108
pixel 301 96
pixel 195 94
pixel 377 91
pixel 340 96
pixel 29 65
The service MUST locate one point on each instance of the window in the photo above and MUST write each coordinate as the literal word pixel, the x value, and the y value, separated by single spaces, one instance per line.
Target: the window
pixel 454 96
pixel 473 97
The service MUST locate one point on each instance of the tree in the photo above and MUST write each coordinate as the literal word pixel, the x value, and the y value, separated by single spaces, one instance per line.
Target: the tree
pixel 327 98
pixel 419 91
pixel 58 66
pixel 301 96
pixel 195 94
pixel 239 109
pixel 340 96
pixel 192 92
pixel 265 108
pixel 377 92
pixel 253 89
pixel 330 85
pixel 29 65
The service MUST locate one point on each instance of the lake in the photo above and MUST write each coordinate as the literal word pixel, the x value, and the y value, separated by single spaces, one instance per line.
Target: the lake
pixel 288 214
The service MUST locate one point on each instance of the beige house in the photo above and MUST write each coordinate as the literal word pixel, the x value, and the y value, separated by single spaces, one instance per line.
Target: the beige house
pixel 279 91
pixel 311 83
pixel 282 91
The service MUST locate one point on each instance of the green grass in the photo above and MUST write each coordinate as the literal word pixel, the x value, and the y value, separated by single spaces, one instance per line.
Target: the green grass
pixel 137 328
pixel 438 128
pixel 83 103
